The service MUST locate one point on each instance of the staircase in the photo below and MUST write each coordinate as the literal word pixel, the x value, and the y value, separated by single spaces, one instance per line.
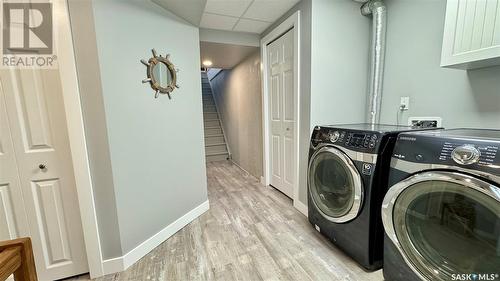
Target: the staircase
pixel 215 142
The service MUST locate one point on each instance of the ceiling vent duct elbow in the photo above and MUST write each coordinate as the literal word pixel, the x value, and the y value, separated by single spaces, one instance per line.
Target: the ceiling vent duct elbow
pixel 378 11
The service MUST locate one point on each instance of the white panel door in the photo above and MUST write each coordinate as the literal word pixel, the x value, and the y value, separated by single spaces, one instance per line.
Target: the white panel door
pixel 13 221
pixel 36 117
pixel 281 115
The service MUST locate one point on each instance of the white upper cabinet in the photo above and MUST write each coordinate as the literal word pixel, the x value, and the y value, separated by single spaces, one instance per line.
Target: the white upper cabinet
pixel 471 34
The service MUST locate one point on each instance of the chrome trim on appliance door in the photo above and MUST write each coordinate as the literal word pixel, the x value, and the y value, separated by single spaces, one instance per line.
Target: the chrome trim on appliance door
pixel 452 177
pixel 358 189
pixel 412 167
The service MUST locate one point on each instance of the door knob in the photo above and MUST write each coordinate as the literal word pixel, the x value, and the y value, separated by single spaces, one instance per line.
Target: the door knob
pixel 288 129
pixel 42 166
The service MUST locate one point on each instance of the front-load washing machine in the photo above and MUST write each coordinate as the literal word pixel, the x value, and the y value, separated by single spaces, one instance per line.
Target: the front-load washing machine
pixel 347 180
pixel 442 213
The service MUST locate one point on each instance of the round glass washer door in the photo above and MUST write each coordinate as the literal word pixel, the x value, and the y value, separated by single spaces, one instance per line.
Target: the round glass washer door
pixel 334 185
pixel 444 224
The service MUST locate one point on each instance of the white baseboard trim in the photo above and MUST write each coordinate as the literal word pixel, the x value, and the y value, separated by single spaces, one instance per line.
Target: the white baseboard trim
pixel 301 207
pixel 113 265
pixel 262 181
pixel 122 263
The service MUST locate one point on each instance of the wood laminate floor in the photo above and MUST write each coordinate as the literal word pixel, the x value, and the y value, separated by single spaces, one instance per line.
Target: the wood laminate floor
pixel 251 232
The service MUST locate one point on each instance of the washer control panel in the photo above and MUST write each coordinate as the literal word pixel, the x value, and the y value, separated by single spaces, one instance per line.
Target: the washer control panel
pixel 468 154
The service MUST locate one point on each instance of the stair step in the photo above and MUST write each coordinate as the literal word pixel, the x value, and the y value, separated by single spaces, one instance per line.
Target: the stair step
pixel 213 131
pixel 215 144
pixel 210 116
pixel 211 123
pixel 215 149
pixel 219 157
pixel 214 139
pixel 210 110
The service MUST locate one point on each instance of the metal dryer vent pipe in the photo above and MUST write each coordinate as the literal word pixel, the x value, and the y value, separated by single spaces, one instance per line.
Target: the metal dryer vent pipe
pixel 378 10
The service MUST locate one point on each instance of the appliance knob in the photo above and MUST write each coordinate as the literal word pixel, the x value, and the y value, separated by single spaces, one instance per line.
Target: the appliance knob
pixel 335 136
pixel 465 154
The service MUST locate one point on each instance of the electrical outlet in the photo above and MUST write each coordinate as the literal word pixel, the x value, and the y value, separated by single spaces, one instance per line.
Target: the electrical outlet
pixel 405 103
pixel 425 122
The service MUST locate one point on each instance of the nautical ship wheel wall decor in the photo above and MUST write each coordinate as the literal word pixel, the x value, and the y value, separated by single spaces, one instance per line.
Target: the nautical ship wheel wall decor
pixel 162 74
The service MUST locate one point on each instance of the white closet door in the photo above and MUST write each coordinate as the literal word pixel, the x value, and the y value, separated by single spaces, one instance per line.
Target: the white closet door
pixel 282 119
pixel 13 221
pixel 36 117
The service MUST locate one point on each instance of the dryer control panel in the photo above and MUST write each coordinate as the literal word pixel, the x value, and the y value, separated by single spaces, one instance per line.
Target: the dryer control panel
pixel 468 153
pixel 353 140
pixel 480 154
pixel 365 140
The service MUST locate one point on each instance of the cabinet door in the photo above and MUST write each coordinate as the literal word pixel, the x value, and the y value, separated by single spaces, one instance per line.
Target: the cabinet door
pixel 471 34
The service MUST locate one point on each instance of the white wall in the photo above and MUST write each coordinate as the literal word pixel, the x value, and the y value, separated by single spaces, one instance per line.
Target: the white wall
pixel 156 146
pixel 237 93
pixel 461 98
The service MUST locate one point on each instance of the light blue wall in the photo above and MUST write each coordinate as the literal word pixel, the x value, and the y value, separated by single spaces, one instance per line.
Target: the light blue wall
pixel 414 38
pixel 339 71
pixel 156 145
pixel 96 131
pixel 339 67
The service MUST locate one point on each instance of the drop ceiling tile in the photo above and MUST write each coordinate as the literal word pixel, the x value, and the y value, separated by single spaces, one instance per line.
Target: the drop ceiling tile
pixel 234 8
pixel 217 21
pixel 268 10
pixel 253 26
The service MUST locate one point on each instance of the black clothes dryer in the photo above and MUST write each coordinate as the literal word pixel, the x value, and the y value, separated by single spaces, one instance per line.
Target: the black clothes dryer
pixel 347 181
pixel 442 213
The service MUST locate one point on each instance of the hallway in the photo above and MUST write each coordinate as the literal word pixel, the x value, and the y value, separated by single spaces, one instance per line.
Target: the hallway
pixel 249 233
